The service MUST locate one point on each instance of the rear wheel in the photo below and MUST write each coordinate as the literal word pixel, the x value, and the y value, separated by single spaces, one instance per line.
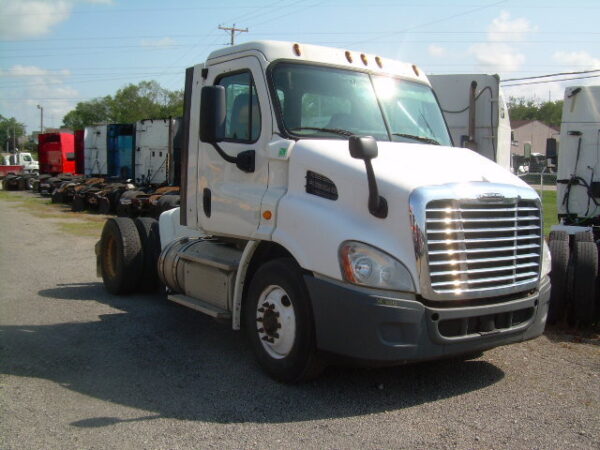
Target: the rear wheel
pixel 559 250
pixel 585 272
pixel 104 205
pixel 279 322
pixel 121 256
pixel 57 197
pixel 78 204
pixel 150 240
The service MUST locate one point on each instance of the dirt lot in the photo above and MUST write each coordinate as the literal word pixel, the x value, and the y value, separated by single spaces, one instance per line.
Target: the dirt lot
pixel 83 369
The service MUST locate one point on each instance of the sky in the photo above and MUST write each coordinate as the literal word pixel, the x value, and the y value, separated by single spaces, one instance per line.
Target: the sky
pixel 55 53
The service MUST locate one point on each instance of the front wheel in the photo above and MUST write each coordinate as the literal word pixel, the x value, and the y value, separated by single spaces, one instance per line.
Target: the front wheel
pixel 279 322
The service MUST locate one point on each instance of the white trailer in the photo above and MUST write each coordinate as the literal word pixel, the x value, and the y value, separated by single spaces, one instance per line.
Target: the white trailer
pixel 95 151
pixel 154 146
pixel 574 242
pixel 475 110
pixel 324 211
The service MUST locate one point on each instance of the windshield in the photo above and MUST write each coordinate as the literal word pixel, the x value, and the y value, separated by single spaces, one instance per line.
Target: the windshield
pixel 321 102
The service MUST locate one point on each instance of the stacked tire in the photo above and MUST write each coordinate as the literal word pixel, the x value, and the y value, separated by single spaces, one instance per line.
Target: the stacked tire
pixel 575 295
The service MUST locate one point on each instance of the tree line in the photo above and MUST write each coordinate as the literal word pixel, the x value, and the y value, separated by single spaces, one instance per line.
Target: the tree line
pixel 523 109
pixel 145 100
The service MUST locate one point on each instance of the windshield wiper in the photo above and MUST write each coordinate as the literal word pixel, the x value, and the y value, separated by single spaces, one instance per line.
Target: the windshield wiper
pixel 339 131
pixel 425 139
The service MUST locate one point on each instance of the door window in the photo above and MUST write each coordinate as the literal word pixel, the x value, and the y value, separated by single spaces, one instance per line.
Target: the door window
pixel 242 122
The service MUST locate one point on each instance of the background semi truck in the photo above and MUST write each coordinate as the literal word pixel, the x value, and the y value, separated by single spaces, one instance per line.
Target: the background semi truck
pixel 475 110
pixel 574 242
pixel 325 212
pixel 57 153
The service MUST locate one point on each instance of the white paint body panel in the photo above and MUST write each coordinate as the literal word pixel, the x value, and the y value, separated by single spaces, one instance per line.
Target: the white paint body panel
pixel 95 152
pixel 581 112
pixel 170 229
pixel 492 123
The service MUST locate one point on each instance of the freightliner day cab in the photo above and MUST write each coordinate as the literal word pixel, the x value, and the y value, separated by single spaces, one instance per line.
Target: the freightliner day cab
pixel 325 211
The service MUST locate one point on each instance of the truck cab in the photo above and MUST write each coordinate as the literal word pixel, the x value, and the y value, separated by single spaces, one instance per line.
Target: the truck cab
pixel 325 211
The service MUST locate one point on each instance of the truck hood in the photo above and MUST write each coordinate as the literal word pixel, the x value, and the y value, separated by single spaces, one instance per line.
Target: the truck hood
pixel 320 212
pixel 407 165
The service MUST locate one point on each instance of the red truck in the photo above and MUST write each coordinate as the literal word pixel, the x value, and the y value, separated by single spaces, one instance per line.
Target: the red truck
pixel 57 153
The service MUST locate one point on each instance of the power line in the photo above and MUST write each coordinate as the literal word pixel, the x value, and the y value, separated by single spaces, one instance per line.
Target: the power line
pixel 550 81
pixel 550 75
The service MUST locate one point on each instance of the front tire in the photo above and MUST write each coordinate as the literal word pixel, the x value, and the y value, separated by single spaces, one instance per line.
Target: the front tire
pixel 279 322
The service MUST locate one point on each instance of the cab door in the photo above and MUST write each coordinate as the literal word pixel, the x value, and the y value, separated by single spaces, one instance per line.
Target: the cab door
pixel 229 199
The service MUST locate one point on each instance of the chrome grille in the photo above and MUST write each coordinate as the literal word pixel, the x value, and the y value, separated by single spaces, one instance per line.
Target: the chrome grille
pixel 474 246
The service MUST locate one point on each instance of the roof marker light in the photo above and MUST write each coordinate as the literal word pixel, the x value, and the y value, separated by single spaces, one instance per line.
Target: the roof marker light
pixel 363 58
pixel 348 56
pixel 379 62
pixel 415 69
pixel 297 49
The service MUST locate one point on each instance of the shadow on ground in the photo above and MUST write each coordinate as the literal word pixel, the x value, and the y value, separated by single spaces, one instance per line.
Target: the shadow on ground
pixel 175 363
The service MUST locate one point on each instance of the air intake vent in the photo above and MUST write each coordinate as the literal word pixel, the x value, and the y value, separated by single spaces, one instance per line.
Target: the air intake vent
pixel 321 186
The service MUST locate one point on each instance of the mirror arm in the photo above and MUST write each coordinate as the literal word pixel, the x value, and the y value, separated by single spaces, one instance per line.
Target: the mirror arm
pixel 222 154
pixel 377 204
pixel 244 160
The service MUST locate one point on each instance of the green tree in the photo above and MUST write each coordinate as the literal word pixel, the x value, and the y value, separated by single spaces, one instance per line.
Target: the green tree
pixel 10 132
pixel 88 113
pixel 526 109
pixel 145 100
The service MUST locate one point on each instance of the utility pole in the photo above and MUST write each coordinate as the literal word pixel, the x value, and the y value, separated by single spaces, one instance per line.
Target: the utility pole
pixel 41 108
pixel 232 31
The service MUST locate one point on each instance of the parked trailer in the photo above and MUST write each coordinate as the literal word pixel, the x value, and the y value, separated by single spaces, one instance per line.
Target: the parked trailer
pixel 574 242
pixel 157 151
pixel 119 148
pixel 475 110
pixel 56 152
pixel 324 211
pixel 96 163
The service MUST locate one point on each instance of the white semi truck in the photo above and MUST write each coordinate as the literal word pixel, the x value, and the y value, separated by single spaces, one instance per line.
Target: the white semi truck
pixel 325 211
pixel 475 110
pixel 573 242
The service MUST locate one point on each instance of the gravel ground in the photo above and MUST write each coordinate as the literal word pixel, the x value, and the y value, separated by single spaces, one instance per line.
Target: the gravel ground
pixel 80 368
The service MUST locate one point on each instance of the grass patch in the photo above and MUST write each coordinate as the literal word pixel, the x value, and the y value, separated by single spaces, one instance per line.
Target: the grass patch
pixel 82 228
pixel 4 195
pixel 550 209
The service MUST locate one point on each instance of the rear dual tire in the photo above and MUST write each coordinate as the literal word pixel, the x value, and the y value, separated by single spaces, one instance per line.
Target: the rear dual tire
pixel 128 255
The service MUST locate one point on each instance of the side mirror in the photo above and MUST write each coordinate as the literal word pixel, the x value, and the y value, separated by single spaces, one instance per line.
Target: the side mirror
pixel 212 114
pixel 363 147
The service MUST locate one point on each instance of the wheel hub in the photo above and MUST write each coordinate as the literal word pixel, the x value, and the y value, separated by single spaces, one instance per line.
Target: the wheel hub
pixel 276 322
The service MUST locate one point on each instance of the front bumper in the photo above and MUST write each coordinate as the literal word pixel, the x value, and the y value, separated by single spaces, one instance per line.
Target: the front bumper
pixel 395 329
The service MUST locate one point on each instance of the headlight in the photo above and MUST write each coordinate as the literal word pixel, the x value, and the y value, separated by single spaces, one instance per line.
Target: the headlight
pixel 367 266
pixel 546 260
